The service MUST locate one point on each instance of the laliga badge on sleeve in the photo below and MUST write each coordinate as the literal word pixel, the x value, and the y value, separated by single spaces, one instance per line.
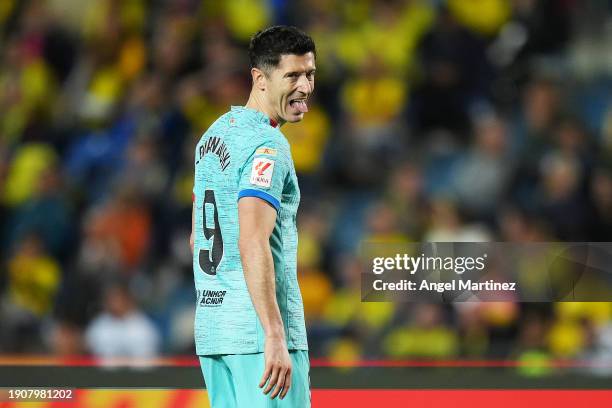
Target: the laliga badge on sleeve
pixel 261 173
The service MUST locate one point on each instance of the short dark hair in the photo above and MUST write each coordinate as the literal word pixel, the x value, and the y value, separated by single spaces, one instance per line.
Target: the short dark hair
pixel 267 46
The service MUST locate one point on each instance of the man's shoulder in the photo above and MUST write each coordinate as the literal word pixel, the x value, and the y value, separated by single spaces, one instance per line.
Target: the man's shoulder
pixel 216 127
pixel 221 122
pixel 268 143
pixel 244 130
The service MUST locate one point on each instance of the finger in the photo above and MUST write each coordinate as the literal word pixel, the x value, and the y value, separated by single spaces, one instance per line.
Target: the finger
pixel 265 375
pixel 273 378
pixel 287 385
pixel 279 384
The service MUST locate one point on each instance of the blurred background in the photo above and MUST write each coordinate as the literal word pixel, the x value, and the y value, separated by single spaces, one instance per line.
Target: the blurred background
pixel 432 120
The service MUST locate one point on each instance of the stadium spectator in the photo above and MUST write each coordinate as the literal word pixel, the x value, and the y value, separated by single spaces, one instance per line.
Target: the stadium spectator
pixel 121 329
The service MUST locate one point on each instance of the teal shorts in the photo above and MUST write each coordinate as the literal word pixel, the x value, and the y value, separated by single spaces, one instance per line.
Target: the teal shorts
pixel 232 380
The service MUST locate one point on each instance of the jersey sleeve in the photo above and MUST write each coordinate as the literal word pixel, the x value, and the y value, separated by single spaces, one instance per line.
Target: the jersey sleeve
pixel 263 174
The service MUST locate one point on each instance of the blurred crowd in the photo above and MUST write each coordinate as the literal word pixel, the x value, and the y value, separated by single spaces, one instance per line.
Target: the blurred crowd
pixel 432 120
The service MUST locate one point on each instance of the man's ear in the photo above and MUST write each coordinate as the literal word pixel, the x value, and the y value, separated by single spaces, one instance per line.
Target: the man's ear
pixel 259 78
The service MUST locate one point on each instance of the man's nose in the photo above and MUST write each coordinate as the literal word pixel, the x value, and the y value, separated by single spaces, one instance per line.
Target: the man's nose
pixel 304 85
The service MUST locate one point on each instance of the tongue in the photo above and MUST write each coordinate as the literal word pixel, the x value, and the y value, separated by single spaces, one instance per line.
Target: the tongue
pixel 301 106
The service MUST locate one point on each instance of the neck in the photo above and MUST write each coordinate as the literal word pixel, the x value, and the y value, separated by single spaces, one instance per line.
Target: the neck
pixel 257 102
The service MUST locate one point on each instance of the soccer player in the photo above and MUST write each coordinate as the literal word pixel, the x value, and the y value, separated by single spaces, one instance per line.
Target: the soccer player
pixel 249 327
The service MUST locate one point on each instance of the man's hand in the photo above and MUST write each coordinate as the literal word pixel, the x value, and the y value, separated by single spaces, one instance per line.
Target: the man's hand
pixel 277 371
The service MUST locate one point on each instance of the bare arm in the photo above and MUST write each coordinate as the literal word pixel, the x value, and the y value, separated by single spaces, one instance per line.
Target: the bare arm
pixel 257 220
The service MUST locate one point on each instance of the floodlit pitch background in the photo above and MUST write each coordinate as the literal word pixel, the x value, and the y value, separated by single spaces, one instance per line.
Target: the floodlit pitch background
pixel 432 120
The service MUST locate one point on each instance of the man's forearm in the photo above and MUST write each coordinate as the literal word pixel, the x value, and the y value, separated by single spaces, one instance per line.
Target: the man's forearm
pixel 259 275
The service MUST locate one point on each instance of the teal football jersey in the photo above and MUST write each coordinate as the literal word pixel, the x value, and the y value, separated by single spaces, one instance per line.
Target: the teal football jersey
pixel 242 155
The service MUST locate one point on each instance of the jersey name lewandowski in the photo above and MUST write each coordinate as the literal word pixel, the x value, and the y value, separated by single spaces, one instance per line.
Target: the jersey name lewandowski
pixel 242 155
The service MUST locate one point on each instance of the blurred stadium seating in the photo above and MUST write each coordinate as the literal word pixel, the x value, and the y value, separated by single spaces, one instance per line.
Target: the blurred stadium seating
pixel 433 120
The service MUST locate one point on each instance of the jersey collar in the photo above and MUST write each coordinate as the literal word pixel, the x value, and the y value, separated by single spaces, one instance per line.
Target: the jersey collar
pixel 261 117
